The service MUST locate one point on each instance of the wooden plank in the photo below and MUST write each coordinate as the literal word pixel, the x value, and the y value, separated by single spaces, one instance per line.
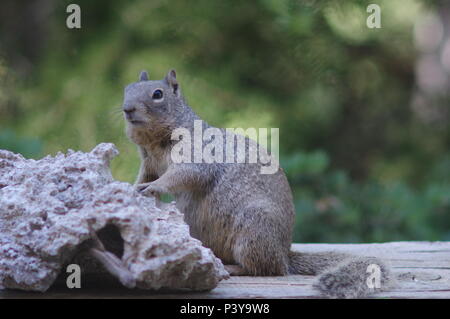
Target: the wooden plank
pixel 422 270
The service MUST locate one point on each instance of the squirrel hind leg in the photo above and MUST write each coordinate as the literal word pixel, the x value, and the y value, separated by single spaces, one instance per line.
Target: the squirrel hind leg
pixel 353 278
pixel 260 257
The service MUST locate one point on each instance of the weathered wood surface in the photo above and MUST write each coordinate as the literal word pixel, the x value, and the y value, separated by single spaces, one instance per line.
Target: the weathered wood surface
pixel 422 269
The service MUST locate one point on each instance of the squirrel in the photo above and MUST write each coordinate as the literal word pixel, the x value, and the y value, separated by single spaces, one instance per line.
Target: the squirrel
pixel 246 218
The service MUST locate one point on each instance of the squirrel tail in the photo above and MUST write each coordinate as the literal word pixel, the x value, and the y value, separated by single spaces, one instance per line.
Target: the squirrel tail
pixel 342 275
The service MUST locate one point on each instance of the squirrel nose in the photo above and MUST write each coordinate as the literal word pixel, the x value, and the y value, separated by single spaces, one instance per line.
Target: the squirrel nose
pixel 129 109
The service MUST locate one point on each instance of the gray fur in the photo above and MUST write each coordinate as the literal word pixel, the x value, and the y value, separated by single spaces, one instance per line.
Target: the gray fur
pixel 245 217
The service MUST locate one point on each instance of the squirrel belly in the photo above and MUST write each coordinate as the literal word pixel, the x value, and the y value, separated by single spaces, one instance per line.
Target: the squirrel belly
pixel 246 218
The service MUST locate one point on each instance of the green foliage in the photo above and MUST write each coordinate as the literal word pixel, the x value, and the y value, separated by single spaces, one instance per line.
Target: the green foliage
pixel 333 208
pixel 310 68
pixel 27 146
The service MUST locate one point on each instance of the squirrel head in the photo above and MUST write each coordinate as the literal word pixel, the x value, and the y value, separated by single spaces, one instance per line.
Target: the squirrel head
pixel 149 104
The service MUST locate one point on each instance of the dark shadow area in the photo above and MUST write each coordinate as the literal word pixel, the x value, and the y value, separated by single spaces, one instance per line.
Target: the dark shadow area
pixel 111 239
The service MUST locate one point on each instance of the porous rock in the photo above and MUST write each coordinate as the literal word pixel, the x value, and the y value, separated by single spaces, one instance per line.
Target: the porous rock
pixel 49 208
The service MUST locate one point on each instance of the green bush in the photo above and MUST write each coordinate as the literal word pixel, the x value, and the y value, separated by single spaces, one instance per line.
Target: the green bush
pixel 27 146
pixel 333 208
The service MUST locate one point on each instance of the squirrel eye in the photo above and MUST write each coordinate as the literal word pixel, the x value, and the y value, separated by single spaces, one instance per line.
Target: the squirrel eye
pixel 157 95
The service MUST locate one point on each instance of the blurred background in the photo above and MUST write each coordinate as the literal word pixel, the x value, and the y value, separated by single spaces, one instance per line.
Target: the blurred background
pixel 363 113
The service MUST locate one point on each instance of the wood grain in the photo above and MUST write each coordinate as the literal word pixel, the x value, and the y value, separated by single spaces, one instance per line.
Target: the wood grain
pixel 422 270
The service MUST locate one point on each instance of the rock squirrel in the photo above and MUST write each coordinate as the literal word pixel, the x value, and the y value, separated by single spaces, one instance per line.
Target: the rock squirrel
pixel 246 218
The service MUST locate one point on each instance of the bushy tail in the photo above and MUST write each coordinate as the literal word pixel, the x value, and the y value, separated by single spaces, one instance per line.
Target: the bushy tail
pixel 342 275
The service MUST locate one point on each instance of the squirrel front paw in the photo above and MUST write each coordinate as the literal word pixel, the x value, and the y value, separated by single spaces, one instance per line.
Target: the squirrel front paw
pixel 151 189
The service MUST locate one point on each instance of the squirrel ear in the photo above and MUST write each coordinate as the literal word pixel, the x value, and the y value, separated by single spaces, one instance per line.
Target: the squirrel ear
pixel 143 76
pixel 171 79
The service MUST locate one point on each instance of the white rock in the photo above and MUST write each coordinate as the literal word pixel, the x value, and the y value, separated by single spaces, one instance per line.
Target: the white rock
pixel 46 207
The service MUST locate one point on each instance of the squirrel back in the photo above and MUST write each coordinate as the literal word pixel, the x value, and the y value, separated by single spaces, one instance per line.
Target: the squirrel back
pixel 245 217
